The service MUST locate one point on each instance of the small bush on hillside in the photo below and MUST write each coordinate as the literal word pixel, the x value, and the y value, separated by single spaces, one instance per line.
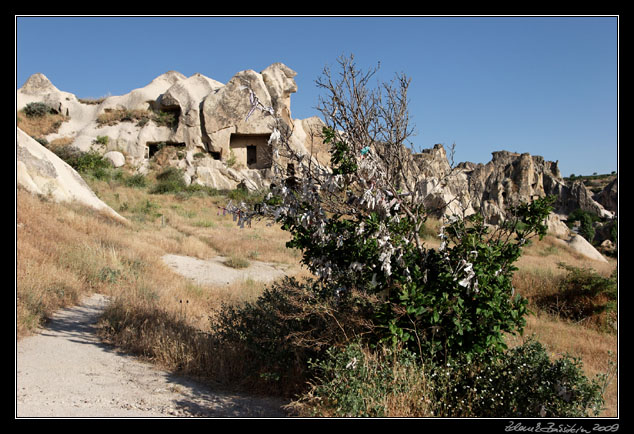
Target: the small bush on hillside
pixel 586 220
pixel 355 381
pixel 165 118
pixel 391 381
pixel 237 262
pixel 141 117
pixel 102 140
pixel 37 109
pixel 584 295
pixel 83 162
pixel 170 180
pixel 137 180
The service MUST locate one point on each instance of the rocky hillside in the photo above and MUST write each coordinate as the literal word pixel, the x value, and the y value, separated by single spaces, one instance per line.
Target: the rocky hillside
pixel 219 135
pixel 511 178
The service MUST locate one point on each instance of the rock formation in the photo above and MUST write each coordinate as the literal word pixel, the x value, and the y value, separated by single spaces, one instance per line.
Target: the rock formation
pixel 609 196
pixel 223 130
pixel 40 171
pixel 508 179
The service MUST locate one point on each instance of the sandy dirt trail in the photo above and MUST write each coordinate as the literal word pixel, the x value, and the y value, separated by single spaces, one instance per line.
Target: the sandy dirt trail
pixel 65 371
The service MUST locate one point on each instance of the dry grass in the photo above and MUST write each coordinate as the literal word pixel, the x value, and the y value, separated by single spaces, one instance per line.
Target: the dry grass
pixel 64 252
pixel 539 273
pixel 40 126
pixel 113 117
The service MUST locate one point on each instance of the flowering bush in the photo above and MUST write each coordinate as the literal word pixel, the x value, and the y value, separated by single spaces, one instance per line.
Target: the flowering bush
pixel 522 382
pixel 392 381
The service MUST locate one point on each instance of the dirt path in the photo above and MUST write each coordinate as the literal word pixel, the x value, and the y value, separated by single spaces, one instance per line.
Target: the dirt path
pixel 65 371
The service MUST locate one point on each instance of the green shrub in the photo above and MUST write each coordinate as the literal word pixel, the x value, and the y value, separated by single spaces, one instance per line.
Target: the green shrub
pixel 137 180
pixel 170 180
pixel 584 295
pixel 458 299
pixel 355 381
pixel 37 109
pixel 288 325
pixel 83 162
pixel 102 140
pixel 586 220
pixel 524 382
pixel 390 381
pixel 165 118
pixel 237 262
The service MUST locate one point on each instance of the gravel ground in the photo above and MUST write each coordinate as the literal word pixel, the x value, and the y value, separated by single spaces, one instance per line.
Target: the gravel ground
pixel 65 371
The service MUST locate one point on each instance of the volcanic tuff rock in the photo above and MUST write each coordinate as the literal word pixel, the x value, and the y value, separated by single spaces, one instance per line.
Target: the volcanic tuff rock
pixel 509 178
pixel 40 171
pixel 215 121
pixel 221 139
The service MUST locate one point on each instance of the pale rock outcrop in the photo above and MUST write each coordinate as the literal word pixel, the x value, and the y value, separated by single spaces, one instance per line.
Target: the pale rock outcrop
pixel 185 97
pixel 38 88
pixel 229 128
pixel 582 246
pixel 211 116
pixel 40 171
pixel 232 110
pixel 280 83
pixel 578 196
pixel 143 98
pixel 508 179
pixel 117 159
pixel 556 227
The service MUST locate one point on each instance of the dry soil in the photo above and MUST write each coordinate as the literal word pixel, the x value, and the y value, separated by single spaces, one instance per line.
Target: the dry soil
pixel 65 371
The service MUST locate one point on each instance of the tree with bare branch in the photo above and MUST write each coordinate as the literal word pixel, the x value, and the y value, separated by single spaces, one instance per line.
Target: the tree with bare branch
pixel 358 222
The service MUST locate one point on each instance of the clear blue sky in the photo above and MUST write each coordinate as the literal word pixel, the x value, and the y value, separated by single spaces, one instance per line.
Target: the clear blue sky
pixel 543 85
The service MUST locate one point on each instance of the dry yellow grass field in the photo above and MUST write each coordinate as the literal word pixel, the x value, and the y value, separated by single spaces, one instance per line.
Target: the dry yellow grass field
pixel 65 251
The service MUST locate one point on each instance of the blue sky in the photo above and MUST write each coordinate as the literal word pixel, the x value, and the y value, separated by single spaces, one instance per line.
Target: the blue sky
pixel 546 85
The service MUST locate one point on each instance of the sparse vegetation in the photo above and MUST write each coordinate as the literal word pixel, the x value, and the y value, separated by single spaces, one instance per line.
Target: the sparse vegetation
pixel 586 220
pixel 37 109
pixel 63 252
pixel 141 117
pixel 89 163
pixel 92 101
pixel 39 120
pixel 431 333
pixel 237 262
